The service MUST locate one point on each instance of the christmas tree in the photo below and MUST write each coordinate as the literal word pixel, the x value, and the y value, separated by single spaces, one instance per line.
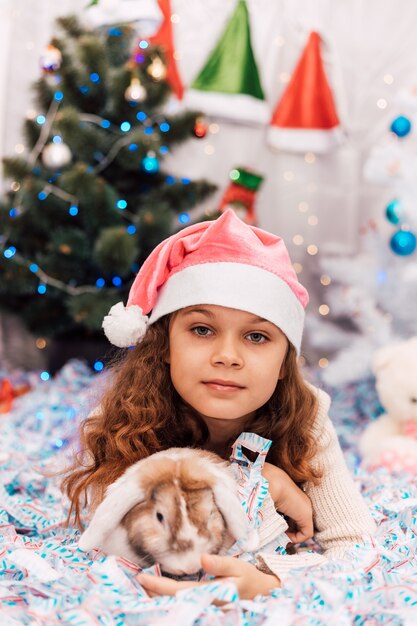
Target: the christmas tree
pixel 90 200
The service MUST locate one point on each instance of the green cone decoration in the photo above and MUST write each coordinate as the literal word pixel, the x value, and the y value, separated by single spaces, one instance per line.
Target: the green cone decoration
pixel 229 84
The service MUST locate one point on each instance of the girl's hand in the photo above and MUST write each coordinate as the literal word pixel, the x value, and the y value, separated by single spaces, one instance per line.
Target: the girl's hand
pixel 290 500
pixel 249 581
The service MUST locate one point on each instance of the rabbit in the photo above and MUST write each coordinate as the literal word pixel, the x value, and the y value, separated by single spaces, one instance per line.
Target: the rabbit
pixel 170 508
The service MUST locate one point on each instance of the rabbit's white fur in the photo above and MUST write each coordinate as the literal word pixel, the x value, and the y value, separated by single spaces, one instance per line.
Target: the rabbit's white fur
pixel 170 508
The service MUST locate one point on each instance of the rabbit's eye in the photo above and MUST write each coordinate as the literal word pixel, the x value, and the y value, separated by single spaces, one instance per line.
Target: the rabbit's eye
pixel 413 400
pixel 159 517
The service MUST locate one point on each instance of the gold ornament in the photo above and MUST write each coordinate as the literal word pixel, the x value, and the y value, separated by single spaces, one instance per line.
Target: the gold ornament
pixel 157 69
pixel 81 315
pixel 136 92
pixel 148 218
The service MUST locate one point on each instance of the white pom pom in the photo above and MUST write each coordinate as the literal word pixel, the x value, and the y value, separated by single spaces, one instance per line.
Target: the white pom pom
pixel 125 326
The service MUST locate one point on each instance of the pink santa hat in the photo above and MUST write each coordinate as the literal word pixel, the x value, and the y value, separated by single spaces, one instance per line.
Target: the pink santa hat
pixel 223 262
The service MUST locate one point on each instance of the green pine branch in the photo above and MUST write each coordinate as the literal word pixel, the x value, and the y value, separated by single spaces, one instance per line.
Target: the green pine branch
pixel 73 236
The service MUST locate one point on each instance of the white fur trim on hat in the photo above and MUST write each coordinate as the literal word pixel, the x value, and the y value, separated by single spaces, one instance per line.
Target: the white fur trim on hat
pixel 305 139
pixel 240 107
pixel 238 286
pixel 125 326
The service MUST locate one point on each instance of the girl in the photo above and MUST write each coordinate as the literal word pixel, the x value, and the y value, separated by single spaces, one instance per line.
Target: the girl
pixel 218 356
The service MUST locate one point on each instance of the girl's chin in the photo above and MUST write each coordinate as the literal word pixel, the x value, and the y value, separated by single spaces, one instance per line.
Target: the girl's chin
pixel 225 416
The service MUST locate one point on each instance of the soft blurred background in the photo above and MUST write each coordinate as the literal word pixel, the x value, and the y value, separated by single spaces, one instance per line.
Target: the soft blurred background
pixel 122 121
pixel 134 118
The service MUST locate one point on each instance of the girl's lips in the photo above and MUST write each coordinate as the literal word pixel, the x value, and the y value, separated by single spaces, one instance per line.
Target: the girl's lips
pixel 218 385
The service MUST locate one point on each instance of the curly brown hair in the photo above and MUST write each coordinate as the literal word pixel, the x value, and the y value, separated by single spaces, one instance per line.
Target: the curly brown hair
pixel 141 413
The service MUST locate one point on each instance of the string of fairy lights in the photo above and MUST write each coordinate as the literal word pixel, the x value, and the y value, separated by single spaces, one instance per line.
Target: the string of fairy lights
pixel 57 154
pixel 205 129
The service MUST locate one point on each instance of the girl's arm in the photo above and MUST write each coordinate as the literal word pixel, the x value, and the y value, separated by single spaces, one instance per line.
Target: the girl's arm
pixel 341 516
pixel 290 500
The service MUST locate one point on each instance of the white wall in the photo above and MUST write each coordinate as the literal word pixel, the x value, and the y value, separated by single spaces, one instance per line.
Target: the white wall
pixel 26 27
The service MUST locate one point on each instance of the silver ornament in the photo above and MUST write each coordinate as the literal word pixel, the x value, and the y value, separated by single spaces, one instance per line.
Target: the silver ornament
pixel 56 155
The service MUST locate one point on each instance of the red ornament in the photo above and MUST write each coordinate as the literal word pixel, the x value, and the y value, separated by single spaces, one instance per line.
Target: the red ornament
pixel 200 128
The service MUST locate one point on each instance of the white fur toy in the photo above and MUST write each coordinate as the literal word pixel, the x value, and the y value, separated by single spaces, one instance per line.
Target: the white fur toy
pixel 170 508
pixel 391 440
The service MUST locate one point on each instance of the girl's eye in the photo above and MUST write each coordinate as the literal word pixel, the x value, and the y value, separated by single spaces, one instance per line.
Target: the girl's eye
pixel 257 337
pixel 201 331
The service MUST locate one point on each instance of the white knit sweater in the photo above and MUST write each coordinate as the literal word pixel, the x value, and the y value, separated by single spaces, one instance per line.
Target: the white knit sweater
pixel 341 517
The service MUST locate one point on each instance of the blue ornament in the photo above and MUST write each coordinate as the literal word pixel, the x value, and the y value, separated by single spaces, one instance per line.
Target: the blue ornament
pixel 393 212
pixel 401 126
pixel 403 242
pixel 150 164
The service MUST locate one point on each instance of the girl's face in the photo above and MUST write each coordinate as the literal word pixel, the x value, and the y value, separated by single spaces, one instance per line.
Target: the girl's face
pixel 225 363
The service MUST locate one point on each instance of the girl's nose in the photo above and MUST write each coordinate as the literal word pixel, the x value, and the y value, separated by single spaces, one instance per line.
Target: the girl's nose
pixel 226 353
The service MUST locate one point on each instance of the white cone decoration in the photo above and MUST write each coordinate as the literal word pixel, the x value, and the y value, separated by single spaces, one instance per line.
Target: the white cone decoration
pixel 125 326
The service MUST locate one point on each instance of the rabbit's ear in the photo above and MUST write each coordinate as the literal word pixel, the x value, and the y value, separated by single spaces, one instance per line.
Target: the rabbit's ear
pixel 230 506
pixel 120 497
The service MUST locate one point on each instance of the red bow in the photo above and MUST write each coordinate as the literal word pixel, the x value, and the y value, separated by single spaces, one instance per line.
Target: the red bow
pixel 8 393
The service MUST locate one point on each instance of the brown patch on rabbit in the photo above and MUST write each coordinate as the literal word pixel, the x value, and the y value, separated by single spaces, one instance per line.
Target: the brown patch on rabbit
pixel 179 518
pixel 170 508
